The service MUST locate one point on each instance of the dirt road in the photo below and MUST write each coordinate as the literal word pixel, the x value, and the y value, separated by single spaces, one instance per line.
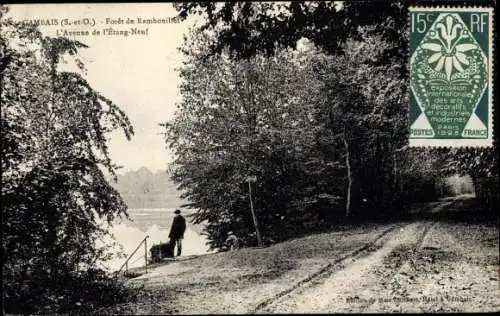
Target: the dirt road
pixel 441 263
pixel 423 267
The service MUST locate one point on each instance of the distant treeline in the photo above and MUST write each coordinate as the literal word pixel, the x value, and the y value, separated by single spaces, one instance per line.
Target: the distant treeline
pixel 145 189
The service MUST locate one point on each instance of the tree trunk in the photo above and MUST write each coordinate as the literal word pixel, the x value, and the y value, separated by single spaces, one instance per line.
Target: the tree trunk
pixel 349 178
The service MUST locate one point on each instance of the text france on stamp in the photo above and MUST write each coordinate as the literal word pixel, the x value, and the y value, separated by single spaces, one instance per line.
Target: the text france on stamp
pixel 451 77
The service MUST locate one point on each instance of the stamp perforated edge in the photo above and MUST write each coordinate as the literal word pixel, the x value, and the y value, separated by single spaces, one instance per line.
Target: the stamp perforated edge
pixel 461 143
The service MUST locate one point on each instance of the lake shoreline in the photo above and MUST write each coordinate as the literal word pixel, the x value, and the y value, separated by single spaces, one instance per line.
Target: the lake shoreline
pixel 154 223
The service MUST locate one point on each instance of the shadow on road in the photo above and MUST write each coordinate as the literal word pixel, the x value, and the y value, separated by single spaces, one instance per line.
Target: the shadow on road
pixel 460 209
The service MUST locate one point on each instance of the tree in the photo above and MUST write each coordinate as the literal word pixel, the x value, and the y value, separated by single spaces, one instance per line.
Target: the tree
pixel 365 96
pixel 360 128
pixel 54 156
pixel 248 28
pixel 366 77
pixel 375 51
pixel 242 118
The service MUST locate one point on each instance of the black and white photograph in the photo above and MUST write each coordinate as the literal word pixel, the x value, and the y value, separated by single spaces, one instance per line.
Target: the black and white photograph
pixel 254 157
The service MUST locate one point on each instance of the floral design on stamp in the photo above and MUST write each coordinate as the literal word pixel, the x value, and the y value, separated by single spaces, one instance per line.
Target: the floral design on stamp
pixel 451 77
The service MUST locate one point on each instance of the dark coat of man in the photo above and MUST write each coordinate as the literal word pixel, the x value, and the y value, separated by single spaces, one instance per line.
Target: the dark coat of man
pixel 178 227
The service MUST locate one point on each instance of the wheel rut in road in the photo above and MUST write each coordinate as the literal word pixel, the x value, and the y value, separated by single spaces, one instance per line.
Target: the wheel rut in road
pixel 328 289
pixel 326 271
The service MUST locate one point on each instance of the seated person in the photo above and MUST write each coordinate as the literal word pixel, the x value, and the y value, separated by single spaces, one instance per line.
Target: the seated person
pixel 232 241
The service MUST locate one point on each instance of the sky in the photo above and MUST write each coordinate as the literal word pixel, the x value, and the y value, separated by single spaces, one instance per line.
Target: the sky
pixel 137 72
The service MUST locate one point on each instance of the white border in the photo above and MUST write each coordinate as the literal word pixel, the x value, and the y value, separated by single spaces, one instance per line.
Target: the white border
pixel 460 142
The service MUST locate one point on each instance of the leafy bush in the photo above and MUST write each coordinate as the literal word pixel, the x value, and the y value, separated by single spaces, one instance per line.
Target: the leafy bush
pixel 77 293
pixel 56 201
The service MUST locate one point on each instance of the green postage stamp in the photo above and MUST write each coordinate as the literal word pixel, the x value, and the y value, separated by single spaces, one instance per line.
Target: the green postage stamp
pixel 451 95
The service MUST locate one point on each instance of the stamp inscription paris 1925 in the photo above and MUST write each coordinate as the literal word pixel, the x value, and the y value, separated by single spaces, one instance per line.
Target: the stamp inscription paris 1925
pixel 451 76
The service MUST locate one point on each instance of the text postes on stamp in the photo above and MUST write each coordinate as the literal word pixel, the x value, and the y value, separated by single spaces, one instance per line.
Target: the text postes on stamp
pixel 451 77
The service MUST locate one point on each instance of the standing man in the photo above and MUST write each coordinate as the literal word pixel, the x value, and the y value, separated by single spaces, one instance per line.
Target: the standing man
pixel 177 232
